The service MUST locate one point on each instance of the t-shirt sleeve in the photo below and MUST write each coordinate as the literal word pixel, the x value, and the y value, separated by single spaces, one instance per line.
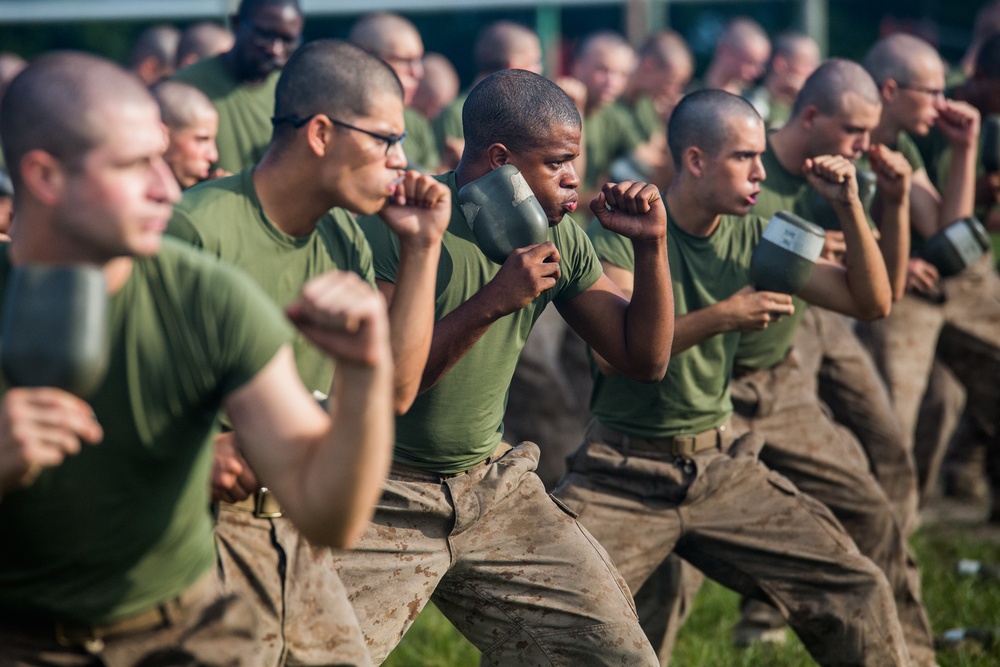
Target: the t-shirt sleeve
pixel 384 247
pixel 910 151
pixel 181 227
pixel 249 328
pixel 611 247
pixel 580 264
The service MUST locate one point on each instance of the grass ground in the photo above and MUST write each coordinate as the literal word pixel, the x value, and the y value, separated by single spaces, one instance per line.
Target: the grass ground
pixel 951 601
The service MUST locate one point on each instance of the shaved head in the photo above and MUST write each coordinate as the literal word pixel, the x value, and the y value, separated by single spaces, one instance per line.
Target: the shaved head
pixel 742 33
pixel 159 42
pixel 516 108
pixel 181 104
pixel 702 120
pixel 249 8
pixel 506 44
pixel 35 114
pixel 826 87
pixel 667 49
pixel 331 77
pixel 202 40
pixel 377 32
pixel 899 57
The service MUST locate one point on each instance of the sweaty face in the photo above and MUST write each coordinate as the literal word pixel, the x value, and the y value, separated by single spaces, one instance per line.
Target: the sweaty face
pixel 117 201
pixel 192 149
pixel 605 71
pixel 846 132
pixel 548 170
pixel 405 54
pixel 731 179
pixel 266 39
pixel 363 174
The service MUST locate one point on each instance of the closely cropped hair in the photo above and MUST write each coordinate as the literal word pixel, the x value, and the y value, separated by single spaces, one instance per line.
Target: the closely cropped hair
pixel 181 104
pixel 826 87
pixel 701 119
pixel 516 108
pixel 37 114
pixel 331 77
pixel 894 57
pixel 248 8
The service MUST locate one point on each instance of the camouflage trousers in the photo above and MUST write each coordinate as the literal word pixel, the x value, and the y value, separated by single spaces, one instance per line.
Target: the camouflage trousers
pixel 302 608
pixel 203 627
pixel 963 332
pixel 503 561
pixel 741 524
pixel 840 369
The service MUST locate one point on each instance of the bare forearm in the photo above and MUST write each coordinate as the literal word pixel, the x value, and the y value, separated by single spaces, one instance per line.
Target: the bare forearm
pixel 693 328
pixel 867 278
pixel 894 243
pixel 411 320
pixel 455 334
pixel 958 197
pixel 649 318
pixel 351 463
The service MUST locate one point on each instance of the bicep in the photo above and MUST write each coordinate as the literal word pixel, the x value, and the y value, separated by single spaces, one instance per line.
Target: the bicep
pixel 925 203
pixel 598 315
pixel 827 288
pixel 386 289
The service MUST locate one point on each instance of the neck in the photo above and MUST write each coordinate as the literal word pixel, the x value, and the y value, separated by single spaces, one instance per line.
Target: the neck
pixel 30 245
pixel 716 78
pixel 788 148
pixel 232 64
pixel 466 172
pixel 886 133
pixel 284 189
pixel 687 211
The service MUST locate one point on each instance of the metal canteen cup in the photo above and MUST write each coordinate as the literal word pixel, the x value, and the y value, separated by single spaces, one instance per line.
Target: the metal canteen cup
pixel 503 213
pixel 787 252
pixel 826 217
pixel 991 144
pixel 55 328
pixel 957 246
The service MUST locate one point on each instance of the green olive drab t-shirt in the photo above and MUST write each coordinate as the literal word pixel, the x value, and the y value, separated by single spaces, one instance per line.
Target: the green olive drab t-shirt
pixel 780 191
pixel 224 217
pixel 245 111
pixel 694 395
pixel 124 525
pixel 459 421
pixel 420 148
pixel 448 124
pixel 645 119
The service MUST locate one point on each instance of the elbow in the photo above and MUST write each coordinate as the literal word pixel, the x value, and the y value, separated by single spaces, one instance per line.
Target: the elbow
pixel 876 311
pixel 336 534
pixel 650 373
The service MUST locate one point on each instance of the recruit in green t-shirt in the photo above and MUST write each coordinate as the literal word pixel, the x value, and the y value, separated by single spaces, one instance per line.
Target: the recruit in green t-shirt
pixel 448 124
pixel 245 111
pixel 645 119
pixel 225 218
pixel 694 395
pixel 124 525
pixel 459 421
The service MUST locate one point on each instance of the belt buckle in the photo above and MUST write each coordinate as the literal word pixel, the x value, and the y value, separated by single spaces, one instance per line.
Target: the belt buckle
pixel 88 641
pixel 261 500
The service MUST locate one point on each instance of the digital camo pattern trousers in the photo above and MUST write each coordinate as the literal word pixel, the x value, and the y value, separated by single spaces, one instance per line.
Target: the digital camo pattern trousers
pixel 743 525
pixel 304 615
pixel 501 559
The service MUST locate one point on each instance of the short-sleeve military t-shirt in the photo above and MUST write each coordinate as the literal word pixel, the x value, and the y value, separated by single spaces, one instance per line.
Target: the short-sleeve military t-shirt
pixel 459 421
pixel 780 191
pixel 608 133
pixel 694 394
pixel 225 218
pixel 245 111
pixel 124 525
pixel 420 147
pixel 645 119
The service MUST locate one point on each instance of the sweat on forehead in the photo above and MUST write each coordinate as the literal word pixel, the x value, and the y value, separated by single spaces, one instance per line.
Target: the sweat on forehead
pixel 36 115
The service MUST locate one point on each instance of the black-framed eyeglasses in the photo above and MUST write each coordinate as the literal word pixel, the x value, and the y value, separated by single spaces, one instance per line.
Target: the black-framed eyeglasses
pixel 390 140
pixel 264 38
pixel 933 92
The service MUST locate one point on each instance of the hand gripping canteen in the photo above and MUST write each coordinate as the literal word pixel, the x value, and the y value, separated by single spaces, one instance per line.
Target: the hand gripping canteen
pixel 957 247
pixel 503 213
pixel 787 252
pixel 55 328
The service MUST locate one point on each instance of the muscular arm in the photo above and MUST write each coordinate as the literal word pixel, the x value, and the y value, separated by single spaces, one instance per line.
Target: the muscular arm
pixel 635 335
pixel 326 469
pixel 862 289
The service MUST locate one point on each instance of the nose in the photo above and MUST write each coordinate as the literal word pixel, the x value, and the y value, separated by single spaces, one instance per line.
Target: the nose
pixel 864 141
pixel 396 157
pixel 213 153
pixel 572 179
pixel 758 173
